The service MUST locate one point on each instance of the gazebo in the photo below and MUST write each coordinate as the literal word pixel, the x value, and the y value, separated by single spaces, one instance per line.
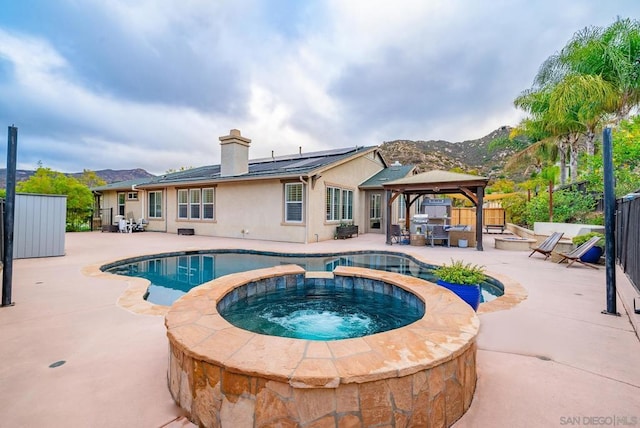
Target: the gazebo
pixel 437 183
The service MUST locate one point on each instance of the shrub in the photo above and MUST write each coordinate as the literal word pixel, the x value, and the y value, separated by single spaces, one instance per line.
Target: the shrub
pixel 581 239
pixel 459 273
pixel 568 207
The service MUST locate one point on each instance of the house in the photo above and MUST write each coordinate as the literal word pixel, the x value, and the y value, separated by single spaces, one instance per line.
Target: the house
pixel 300 197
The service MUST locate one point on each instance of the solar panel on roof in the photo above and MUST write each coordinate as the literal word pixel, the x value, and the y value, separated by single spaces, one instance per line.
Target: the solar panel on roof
pixel 303 162
pixel 307 155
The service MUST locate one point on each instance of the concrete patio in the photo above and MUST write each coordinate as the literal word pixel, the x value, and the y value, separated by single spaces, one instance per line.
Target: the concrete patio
pixel 552 360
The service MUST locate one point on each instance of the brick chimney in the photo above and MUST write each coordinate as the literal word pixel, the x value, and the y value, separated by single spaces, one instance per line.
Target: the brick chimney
pixel 234 149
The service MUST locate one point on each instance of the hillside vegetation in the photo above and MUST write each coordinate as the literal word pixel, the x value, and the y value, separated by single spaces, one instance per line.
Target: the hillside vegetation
pixel 485 156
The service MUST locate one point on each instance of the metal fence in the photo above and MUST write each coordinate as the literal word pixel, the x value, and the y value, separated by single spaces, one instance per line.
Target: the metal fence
pixel 628 237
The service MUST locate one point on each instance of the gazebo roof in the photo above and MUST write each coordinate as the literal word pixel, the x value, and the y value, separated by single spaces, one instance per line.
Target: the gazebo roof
pixel 436 181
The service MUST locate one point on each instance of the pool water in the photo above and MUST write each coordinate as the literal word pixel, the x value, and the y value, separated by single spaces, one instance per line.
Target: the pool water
pixel 320 313
pixel 173 275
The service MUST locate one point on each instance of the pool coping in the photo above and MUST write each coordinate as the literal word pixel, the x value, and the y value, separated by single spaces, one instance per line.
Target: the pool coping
pixel 133 297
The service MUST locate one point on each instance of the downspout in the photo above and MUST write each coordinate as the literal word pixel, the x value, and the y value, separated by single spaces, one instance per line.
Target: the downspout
pixel 306 208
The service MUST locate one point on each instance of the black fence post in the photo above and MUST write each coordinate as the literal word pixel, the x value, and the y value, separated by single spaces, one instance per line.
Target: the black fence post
pixel 609 222
pixel 7 260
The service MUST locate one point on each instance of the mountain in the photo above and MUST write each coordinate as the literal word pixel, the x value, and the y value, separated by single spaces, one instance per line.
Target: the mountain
pixel 484 156
pixel 108 175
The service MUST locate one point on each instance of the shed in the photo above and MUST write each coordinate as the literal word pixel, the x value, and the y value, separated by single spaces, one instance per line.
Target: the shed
pixel 39 226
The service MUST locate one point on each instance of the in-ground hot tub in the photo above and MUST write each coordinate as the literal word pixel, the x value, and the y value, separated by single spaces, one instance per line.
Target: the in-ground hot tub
pixel 420 374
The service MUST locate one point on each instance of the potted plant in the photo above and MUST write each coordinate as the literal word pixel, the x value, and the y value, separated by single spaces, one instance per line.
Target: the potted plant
pixel 594 253
pixel 463 279
pixel 346 230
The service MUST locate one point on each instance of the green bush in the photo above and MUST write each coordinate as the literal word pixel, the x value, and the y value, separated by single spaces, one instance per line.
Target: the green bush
pixel 514 207
pixel 568 207
pixel 459 273
pixel 581 239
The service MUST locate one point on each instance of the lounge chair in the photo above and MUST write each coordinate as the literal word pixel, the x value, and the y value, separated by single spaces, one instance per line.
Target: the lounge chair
pixel 574 256
pixel 398 235
pixel 547 246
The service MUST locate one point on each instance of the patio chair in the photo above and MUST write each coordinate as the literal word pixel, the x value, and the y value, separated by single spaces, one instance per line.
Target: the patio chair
pixel 140 225
pixel 398 235
pixel 574 255
pixel 438 233
pixel 547 246
pixel 123 226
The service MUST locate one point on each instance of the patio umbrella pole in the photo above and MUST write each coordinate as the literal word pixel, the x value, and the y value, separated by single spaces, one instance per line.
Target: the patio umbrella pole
pixel 609 223
pixel 7 261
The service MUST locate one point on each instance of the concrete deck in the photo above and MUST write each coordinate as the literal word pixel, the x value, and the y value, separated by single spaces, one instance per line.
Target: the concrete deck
pixel 552 360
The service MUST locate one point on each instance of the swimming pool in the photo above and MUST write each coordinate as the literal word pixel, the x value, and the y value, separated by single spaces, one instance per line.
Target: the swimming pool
pixel 173 274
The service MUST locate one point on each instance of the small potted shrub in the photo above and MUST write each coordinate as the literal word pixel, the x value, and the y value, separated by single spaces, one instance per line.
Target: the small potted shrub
pixel 463 279
pixel 595 252
pixel 346 230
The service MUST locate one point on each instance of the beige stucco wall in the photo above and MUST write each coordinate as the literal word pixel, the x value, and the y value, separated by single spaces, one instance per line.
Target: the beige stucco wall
pixel 346 176
pixel 254 208
pixel 109 200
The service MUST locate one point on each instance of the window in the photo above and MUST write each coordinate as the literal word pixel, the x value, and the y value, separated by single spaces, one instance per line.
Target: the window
pixel 121 204
pixel 183 203
pixel 347 205
pixel 339 204
pixel 207 204
pixel 402 207
pixel 375 210
pixel 293 202
pixel 333 203
pixel 155 204
pixel 132 196
pixel 196 204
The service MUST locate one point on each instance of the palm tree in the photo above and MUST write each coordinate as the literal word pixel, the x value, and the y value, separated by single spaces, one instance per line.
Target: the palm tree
pixel 594 78
pixel 583 100
pixel 548 124
pixel 612 54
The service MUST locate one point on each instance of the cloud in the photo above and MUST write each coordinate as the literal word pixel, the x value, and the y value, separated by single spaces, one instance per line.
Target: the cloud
pixel 153 83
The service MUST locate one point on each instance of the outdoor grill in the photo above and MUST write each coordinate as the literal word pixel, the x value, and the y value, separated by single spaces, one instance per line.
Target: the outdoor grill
pixel 417 223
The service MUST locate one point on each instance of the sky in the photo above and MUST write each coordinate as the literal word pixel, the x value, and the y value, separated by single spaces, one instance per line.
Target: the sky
pixel 152 84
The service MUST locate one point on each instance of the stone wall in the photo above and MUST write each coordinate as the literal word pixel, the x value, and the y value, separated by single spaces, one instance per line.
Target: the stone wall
pixel 217 397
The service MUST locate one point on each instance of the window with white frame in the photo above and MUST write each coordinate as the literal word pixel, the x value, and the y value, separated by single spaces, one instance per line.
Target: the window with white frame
pixel 155 204
pixel 196 204
pixel 132 196
pixel 375 210
pixel 183 203
pixel 339 204
pixel 121 204
pixel 293 202
pixel 347 205
pixel 208 204
pixel 402 207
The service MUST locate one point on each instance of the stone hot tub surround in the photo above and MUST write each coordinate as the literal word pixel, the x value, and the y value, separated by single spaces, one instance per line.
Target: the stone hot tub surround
pixel 422 374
